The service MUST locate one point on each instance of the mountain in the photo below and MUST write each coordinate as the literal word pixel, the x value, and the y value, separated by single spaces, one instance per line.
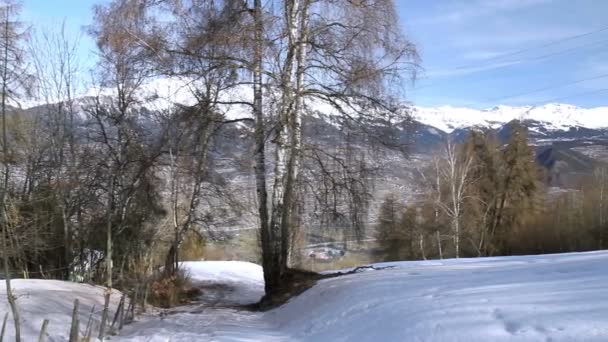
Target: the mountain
pixel 565 166
pixel 549 117
pixel 553 121
pixel 584 129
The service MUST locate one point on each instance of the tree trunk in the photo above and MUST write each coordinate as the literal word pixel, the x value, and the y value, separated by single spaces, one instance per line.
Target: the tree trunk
pixel 456 225
pixel 271 276
pixel 438 235
pixel 67 241
pixel 109 256
pixel 295 131
pixel 109 266
pixel 9 291
pixel 287 139
pixel 4 190
pixel 422 247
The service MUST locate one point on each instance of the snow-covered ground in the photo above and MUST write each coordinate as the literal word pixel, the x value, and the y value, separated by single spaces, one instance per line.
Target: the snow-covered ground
pixel 53 300
pixel 531 298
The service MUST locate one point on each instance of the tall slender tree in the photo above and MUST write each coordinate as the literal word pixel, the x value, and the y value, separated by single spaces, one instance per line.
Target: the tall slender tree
pixel 520 185
pixel 12 81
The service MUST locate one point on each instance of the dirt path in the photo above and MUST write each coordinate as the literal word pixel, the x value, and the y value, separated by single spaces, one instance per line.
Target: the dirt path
pixel 217 315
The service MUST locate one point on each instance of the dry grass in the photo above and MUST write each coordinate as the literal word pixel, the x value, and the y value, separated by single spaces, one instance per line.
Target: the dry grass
pixel 172 290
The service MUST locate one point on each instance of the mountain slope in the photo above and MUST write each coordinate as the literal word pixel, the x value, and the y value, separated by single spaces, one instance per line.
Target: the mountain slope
pixel 552 116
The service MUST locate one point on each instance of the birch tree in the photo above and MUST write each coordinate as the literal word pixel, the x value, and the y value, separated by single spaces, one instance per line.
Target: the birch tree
pixel 347 56
pixel 455 173
pixel 342 58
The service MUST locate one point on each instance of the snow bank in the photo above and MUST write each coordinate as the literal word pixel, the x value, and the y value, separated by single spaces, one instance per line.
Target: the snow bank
pixel 54 300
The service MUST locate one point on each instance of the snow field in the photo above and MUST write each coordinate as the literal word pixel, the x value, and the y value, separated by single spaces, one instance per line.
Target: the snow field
pixel 53 300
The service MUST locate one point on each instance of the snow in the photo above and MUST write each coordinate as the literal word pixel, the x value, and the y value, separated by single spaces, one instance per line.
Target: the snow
pixel 224 285
pixel 54 300
pixel 496 299
pixel 526 298
pixel 163 92
pixel 554 116
pixel 244 280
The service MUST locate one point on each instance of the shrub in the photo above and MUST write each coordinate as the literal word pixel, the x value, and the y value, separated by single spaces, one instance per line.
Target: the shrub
pixel 171 290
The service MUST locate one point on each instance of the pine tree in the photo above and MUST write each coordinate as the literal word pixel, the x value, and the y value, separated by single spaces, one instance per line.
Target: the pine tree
pixel 389 229
pixel 12 79
pixel 520 186
pixel 484 191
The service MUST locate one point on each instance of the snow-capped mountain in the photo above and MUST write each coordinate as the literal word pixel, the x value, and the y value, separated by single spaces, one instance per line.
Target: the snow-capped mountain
pixel 552 117
pixel 552 121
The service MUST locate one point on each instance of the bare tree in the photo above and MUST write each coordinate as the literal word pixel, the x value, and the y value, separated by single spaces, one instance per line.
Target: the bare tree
pixel 12 80
pixel 328 60
pixel 456 177
pixel 341 55
pixel 124 68
pixel 190 137
pixel 54 59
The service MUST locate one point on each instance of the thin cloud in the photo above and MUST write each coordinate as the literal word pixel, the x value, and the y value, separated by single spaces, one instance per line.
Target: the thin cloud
pixel 466 10
pixel 453 72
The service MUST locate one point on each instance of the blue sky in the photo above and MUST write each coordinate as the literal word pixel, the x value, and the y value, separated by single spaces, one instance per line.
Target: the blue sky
pixel 461 43
pixel 47 14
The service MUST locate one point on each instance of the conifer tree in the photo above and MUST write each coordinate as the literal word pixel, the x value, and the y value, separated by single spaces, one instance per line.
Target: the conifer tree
pixel 388 228
pixel 485 189
pixel 520 185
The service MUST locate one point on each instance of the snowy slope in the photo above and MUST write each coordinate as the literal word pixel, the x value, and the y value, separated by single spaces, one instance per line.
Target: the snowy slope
pixel 53 299
pixel 532 298
pixel 554 116
pixel 540 298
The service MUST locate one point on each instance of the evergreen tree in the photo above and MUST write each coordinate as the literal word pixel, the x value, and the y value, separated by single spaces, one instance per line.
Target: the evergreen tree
pixel 389 229
pixel 485 188
pixel 520 186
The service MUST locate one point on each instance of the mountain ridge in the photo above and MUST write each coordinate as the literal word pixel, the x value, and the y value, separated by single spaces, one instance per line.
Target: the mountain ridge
pixel 552 116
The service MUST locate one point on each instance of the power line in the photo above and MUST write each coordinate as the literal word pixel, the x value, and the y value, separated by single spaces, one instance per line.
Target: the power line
pixel 539 90
pixel 532 59
pixel 576 95
pixel 518 52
